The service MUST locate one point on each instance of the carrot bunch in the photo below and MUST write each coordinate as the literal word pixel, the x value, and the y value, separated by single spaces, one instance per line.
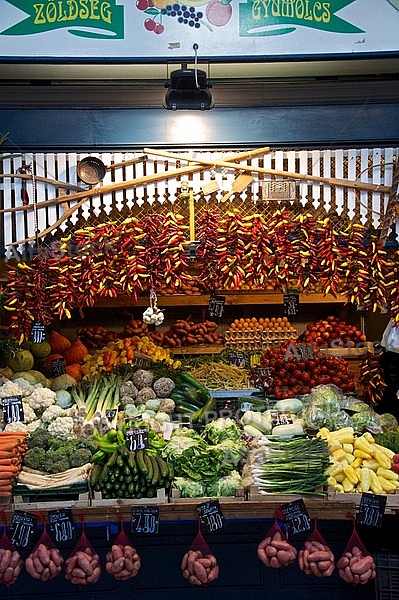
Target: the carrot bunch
pixel 12 449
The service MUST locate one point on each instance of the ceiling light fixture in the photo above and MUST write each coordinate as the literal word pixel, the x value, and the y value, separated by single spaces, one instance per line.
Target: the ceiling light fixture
pixel 188 89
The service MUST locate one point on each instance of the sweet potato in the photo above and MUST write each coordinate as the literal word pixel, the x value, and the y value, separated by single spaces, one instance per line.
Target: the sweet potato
pixel 355 568
pixel 199 569
pixel 122 562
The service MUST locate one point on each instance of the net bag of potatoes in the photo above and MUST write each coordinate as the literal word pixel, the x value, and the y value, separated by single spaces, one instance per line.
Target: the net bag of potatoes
pixel 315 557
pixel 11 562
pixel 82 567
pixel 122 561
pixel 275 550
pixel 199 566
pixel 45 561
pixel 356 565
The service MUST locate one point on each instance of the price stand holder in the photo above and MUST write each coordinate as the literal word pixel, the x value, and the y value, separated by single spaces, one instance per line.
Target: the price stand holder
pixel 296 516
pixel 210 516
pixel 38 333
pixel 145 520
pixel 58 367
pixel 371 509
pixel 22 529
pixel 216 306
pixel 13 410
pixel 62 530
pixel 137 438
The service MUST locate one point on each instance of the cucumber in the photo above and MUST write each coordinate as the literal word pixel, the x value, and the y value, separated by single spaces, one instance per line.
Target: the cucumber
pixel 112 459
pixel 186 378
pixel 119 461
pixel 123 451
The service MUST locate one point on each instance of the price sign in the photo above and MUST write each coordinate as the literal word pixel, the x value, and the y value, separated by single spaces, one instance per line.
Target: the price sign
pixel 140 360
pixel 145 519
pixel 137 438
pixel 238 359
pixel 296 516
pixel 280 417
pixel 22 529
pixel 371 509
pixel 210 516
pixel 216 306
pixel 61 526
pixel 58 367
pixel 13 410
pixel 38 333
pixel 110 413
pixel 291 305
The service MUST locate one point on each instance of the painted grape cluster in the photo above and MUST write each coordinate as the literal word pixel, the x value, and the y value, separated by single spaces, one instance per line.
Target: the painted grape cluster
pixel 213 12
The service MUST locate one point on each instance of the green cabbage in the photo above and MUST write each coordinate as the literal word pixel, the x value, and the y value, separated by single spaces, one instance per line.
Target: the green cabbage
pixel 189 488
pixel 225 486
pixel 221 429
pixel 326 397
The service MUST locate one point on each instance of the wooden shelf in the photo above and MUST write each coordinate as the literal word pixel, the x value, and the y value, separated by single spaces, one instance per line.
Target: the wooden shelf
pixel 180 350
pixel 232 298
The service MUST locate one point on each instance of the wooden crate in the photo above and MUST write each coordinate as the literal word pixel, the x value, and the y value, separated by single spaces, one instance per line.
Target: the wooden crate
pixel 253 493
pixel 160 498
pixel 26 503
pixel 353 498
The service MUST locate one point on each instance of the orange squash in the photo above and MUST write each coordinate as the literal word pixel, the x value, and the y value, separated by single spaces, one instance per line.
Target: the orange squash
pixel 58 342
pixel 76 353
pixel 74 371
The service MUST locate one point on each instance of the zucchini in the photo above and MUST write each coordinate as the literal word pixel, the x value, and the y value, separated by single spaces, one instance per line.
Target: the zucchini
pixel 95 474
pixel 150 467
pixel 292 405
pixel 155 471
pixel 131 459
pixel 141 463
pixel 288 430
pixel 163 467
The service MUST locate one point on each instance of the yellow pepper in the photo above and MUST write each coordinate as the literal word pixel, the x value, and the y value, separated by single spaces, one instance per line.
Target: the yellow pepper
pixel 356 463
pixel 351 474
pixel 361 443
pixel 347 485
pixel 390 454
pixel 365 479
pixel 387 473
pixel 338 455
pixel 382 458
pixel 360 454
pixel 375 484
pixel 372 464
pixel 387 485
pixel 348 448
pixel 345 435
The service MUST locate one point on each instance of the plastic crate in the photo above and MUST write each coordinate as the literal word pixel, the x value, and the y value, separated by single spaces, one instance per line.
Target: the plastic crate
pixel 387 576
pixel 27 494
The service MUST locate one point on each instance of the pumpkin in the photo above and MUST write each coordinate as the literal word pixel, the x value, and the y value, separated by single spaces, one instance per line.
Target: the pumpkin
pixel 76 353
pixel 58 342
pixel 74 371
pixel 21 361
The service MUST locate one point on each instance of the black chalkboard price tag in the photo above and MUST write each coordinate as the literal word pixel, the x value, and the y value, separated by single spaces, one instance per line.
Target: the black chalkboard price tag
pixel 137 438
pixel 291 304
pixel 145 519
pixel 210 516
pixel 216 306
pixel 22 529
pixel 58 367
pixel 62 530
pixel 38 333
pixel 238 359
pixel 371 509
pixel 296 516
pixel 13 410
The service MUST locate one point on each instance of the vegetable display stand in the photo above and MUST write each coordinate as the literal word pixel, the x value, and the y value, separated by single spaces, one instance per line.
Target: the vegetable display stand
pixel 160 498
pixel 73 496
pixel 254 494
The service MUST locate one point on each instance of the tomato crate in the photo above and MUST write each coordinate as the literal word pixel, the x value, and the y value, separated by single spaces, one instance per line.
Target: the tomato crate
pixel 387 576
pixel 71 495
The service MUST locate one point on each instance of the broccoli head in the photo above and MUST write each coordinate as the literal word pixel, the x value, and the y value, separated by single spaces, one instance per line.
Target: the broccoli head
pixel 80 457
pixel 39 438
pixel 56 461
pixel 35 458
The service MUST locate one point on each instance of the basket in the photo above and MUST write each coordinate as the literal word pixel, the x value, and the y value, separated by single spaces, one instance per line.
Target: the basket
pixel 387 577
pixel 91 170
